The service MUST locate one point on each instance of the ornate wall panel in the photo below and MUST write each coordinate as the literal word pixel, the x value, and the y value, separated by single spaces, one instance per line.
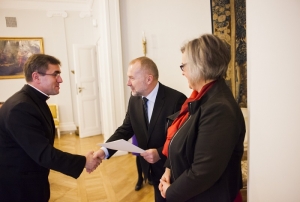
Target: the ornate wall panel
pixel 229 24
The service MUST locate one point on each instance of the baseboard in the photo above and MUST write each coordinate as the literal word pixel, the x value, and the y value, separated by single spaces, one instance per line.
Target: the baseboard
pixel 67 126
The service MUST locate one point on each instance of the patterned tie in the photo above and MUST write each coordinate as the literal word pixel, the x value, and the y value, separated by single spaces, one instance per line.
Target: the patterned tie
pixel 145 100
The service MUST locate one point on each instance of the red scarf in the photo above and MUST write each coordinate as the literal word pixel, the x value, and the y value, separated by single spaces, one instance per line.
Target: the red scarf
pixel 183 115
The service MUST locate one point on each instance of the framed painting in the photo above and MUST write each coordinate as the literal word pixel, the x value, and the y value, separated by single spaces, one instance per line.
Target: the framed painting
pixel 14 52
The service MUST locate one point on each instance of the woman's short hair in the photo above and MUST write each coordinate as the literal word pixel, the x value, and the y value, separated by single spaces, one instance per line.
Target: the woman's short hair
pixel 38 63
pixel 207 57
pixel 148 65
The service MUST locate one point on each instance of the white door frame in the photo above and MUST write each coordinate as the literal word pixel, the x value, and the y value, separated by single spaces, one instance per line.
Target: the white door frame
pixel 87 90
pixel 111 68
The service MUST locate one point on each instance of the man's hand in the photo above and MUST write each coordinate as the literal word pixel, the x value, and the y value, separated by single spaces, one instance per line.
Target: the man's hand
pixel 91 164
pixel 100 154
pixel 151 155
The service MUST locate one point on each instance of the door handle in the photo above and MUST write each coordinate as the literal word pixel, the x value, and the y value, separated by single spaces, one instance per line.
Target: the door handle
pixel 80 89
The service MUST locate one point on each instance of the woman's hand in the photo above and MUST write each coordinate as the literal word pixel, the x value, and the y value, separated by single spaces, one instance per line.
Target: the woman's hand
pixel 167 175
pixel 164 182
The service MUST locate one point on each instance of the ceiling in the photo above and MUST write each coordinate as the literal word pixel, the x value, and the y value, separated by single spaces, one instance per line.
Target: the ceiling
pixel 71 1
pixel 79 5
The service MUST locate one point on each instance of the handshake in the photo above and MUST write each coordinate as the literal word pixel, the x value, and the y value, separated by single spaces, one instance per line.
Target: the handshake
pixel 93 160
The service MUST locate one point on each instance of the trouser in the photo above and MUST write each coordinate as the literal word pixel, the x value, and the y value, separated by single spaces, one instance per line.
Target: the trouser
pixel 157 195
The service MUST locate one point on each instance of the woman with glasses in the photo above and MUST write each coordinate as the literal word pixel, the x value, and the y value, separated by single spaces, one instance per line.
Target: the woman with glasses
pixel 204 143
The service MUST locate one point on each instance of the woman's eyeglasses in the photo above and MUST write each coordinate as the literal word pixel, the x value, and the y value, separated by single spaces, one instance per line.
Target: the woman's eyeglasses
pixel 182 66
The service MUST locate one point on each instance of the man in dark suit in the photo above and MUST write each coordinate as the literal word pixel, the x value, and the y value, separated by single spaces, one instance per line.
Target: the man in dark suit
pixel 147 124
pixel 27 135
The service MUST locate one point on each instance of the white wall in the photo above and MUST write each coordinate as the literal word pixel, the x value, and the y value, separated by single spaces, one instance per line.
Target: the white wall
pixel 53 33
pixel 59 34
pixel 165 33
pixel 167 25
pixel 273 90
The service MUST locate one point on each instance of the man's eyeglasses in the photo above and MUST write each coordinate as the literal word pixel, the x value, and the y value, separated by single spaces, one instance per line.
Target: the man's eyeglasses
pixel 55 74
pixel 182 66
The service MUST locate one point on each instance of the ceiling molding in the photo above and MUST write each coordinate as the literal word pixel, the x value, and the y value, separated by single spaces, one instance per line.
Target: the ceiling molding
pixel 67 5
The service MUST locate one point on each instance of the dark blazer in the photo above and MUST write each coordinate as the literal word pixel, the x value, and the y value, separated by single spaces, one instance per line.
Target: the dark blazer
pixel 205 153
pixel 26 148
pixel 167 102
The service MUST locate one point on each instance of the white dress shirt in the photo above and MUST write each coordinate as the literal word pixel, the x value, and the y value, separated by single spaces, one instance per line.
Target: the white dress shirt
pixel 151 100
pixel 150 105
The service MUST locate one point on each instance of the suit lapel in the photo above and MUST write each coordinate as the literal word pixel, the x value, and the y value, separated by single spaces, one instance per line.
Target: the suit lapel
pixel 158 105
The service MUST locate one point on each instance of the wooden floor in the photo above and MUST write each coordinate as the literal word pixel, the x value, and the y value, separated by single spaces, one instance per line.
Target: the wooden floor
pixel 113 181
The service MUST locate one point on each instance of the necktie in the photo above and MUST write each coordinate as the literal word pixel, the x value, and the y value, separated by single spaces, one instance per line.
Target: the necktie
pixel 145 100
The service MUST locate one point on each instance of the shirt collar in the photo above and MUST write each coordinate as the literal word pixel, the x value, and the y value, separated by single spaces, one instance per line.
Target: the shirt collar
pixel 39 90
pixel 152 96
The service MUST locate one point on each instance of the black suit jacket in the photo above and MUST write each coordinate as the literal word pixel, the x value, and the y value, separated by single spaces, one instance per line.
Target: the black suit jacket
pixel 205 154
pixel 26 148
pixel 167 102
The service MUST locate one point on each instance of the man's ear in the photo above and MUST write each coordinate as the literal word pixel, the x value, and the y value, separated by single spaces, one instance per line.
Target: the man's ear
pixel 149 78
pixel 35 77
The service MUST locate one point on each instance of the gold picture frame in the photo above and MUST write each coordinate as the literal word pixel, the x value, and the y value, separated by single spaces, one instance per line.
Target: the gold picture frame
pixel 14 51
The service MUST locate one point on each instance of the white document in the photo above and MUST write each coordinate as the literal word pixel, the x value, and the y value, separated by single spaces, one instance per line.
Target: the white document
pixel 122 145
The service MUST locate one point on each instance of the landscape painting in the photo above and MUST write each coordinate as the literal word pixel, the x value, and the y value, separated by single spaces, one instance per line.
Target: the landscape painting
pixel 13 54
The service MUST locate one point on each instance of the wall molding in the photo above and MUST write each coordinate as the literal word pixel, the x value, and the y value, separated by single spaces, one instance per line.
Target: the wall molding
pixel 67 126
pixel 110 68
pixel 85 14
pixel 51 14
pixel 67 5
